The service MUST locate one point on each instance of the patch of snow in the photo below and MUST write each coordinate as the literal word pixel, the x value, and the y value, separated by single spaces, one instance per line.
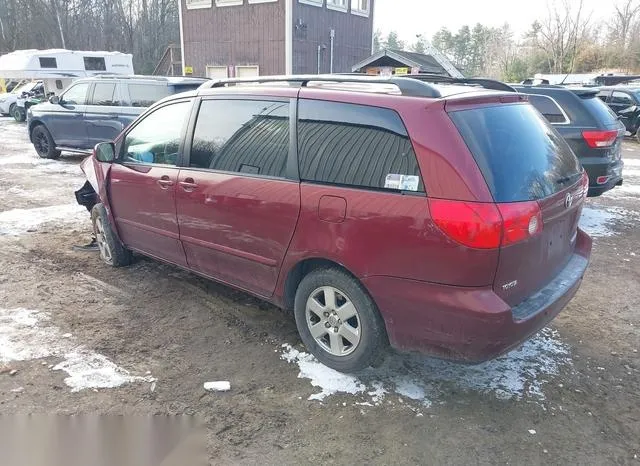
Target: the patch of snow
pixel 517 375
pixel 631 162
pixel 19 221
pixel 597 222
pixel 328 380
pixel 626 188
pixel 27 335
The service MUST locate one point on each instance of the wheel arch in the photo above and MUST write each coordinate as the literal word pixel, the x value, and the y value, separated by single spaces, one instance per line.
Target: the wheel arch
pixel 304 267
pixel 32 125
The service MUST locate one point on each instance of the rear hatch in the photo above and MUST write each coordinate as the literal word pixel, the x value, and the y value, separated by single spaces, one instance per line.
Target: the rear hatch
pixel 601 135
pixel 539 189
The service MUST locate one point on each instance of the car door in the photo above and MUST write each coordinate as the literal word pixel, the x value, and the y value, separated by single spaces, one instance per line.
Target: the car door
pixel 101 117
pixel 623 105
pixel 143 182
pixel 238 202
pixel 66 125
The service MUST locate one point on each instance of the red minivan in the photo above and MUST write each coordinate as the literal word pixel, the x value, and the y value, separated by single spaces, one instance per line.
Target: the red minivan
pixel 442 219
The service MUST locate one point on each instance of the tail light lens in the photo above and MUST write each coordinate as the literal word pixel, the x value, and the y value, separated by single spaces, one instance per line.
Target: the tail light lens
pixel 486 225
pixel 597 139
pixel 521 220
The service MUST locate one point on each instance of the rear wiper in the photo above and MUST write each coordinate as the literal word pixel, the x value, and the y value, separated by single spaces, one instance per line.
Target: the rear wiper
pixel 566 179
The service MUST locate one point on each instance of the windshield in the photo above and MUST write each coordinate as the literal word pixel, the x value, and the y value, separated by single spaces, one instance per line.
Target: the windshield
pixel 520 155
pixel 27 87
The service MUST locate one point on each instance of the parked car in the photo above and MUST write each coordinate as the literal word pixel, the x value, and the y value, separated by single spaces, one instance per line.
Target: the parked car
pixel 625 102
pixel 96 109
pixel 443 220
pixel 8 100
pixel 592 130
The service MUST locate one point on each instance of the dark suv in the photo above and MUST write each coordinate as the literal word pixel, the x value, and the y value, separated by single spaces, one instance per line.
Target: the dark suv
pixel 592 130
pixel 96 109
pixel 625 102
pixel 436 218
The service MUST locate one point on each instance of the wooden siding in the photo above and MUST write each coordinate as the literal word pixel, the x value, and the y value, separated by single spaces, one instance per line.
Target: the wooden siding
pixel 312 26
pixel 235 36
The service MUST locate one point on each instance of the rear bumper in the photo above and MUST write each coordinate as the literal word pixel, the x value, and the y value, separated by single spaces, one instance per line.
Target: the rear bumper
pixel 597 167
pixel 471 324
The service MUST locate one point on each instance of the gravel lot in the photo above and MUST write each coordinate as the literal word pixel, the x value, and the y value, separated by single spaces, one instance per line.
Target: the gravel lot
pixel 85 338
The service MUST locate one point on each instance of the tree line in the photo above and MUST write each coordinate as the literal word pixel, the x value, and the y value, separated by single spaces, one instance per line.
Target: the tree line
pixel 566 40
pixel 141 27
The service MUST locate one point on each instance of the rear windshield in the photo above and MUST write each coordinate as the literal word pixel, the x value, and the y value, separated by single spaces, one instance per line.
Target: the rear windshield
pixel 520 155
pixel 600 110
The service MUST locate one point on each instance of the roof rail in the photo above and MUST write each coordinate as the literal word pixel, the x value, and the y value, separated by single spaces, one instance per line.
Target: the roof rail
pixel 487 83
pixel 408 87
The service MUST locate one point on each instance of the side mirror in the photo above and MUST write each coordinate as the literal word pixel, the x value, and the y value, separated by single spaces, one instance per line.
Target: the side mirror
pixel 54 99
pixel 105 152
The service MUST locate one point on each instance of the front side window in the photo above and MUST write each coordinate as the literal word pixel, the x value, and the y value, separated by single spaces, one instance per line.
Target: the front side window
pixel 156 139
pixel 621 98
pixel 242 136
pixel 355 145
pixel 76 95
pixel 104 94
pixel 145 95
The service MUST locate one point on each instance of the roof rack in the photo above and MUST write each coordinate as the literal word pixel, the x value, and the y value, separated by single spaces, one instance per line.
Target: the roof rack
pixel 407 87
pixel 482 82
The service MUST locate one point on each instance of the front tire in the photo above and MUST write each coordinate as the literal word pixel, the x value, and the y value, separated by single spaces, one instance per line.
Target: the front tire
pixel 338 321
pixel 43 143
pixel 19 114
pixel 112 251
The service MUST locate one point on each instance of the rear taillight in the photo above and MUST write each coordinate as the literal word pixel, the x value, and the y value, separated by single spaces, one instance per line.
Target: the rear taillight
pixel 521 220
pixel 599 139
pixel 486 225
pixel 585 184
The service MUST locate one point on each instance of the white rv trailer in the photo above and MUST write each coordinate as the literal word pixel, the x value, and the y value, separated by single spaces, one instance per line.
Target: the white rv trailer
pixel 57 68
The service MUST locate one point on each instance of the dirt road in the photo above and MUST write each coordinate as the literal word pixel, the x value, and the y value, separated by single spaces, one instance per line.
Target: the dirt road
pixel 85 338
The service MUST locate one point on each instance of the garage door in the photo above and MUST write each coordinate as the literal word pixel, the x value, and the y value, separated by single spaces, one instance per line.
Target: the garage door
pixel 217 72
pixel 247 71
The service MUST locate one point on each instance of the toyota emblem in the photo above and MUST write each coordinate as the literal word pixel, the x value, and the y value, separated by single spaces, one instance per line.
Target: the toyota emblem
pixel 568 202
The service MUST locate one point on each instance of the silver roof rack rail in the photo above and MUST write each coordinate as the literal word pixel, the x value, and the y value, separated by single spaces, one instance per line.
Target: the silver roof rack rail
pixel 407 86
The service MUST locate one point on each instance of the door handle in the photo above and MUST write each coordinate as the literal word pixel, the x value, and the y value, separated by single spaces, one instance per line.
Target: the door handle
pixel 188 185
pixel 165 182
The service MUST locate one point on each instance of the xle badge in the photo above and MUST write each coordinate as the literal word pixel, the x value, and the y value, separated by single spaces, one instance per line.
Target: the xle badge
pixel 510 285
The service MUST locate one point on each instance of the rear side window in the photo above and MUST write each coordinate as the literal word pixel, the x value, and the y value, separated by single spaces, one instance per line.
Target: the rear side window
pixel 145 95
pixel 104 94
pixel 520 155
pixel 242 136
pixel 355 145
pixel 599 110
pixel 549 109
pixel 48 62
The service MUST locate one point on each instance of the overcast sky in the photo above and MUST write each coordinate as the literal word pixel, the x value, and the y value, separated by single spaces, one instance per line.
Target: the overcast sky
pixel 411 17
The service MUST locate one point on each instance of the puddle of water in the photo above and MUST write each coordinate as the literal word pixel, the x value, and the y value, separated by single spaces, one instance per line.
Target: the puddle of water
pixel 519 374
pixel 598 222
pixel 27 335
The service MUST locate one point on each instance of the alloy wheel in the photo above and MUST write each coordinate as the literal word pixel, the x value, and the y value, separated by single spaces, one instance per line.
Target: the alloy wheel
pixel 103 246
pixel 333 321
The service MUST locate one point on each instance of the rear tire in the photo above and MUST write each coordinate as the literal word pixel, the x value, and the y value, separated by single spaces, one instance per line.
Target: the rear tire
pixel 11 109
pixel 112 251
pixel 43 143
pixel 338 321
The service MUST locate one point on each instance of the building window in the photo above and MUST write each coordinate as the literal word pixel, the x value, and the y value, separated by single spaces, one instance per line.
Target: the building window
pixel 193 4
pixel 247 71
pixel 360 7
pixel 228 2
pixel 217 72
pixel 340 5
pixel 312 2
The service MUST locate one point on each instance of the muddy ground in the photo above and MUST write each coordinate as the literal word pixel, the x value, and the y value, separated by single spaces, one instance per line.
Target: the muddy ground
pixel 86 338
